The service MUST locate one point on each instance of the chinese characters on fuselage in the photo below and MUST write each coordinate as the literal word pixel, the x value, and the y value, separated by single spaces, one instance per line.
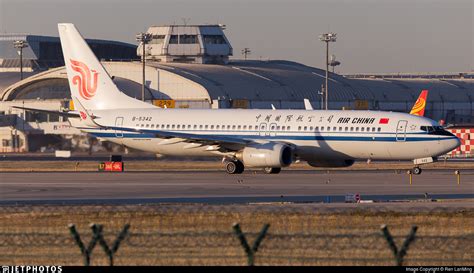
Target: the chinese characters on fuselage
pixel 303 118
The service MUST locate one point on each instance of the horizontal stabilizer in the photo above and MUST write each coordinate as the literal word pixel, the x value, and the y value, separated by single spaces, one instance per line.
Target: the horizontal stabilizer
pixel 59 113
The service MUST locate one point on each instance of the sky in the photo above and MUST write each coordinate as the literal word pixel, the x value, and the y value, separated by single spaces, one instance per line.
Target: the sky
pixel 373 36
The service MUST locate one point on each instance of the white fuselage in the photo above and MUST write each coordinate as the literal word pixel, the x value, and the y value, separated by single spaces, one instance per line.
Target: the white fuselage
pixel 315 135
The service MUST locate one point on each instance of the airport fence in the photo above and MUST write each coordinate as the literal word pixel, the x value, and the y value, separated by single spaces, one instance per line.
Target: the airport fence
pixel 233 235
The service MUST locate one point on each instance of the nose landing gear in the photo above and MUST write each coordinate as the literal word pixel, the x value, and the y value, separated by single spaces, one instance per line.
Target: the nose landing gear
pixel 416 170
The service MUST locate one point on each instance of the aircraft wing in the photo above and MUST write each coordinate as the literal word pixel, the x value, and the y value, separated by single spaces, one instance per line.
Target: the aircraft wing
pixel 225 142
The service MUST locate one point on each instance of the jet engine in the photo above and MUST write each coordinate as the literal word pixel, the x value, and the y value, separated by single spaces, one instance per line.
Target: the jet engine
pixel 275 155
pixel 332 163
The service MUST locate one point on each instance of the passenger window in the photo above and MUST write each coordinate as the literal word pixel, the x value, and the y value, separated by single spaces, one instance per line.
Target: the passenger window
pixel 357 129
pixel 178 126
pixel 328 129
pixel 362 129
pixel 373 129
pixel 228 127
pixel 316 128
pixel 368 129
pixel 272 128
pixel 311 128
pixel 334 129
pixel 322 128
pixel 233 127
pixel 167 126
pixel 346 129
pixel 152 126
pixel 212 126
pixel 238 127
pixel 245 127
pixel 340 129
pixel 306 128
pixel 172 126
pixel 278 128
pixel 189 126
pixel 217 127
pixel 379 129
pixel 200 126
pixel 352 129
pixel 288 128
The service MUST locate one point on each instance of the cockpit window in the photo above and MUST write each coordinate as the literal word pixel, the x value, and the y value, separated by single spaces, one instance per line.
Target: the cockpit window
pixel 435 130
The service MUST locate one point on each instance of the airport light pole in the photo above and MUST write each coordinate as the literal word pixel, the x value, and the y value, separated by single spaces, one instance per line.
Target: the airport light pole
pixel 143 38
pixel 246 51
pixel 327 38
pixel 20 44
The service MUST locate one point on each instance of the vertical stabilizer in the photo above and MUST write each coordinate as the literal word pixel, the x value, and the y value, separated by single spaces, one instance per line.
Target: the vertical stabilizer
pixel 89 82
pixel 420 104
pixel 307 105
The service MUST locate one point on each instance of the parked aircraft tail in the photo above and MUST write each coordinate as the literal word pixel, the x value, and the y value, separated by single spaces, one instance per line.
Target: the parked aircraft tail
pixel 420 104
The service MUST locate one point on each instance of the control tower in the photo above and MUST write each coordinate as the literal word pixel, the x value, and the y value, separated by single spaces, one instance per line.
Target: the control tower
pixel 202 44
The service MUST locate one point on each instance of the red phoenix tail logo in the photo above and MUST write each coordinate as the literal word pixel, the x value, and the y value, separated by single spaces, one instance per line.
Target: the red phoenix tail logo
pixel 86 83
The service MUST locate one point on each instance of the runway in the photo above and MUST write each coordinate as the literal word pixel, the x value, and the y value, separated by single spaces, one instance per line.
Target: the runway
pixel 218 187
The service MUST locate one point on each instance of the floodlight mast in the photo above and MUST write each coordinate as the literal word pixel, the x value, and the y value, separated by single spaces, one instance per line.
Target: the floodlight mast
pixel 143 38
pixel 20 44
pixel 327 38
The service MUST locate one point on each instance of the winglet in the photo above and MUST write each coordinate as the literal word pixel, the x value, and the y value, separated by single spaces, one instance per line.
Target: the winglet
pixel 420 104
pixel 307 105
pixel 273 107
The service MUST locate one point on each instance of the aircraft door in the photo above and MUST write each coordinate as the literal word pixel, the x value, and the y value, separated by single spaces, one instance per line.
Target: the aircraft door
pixel 402 130
pixel 118 123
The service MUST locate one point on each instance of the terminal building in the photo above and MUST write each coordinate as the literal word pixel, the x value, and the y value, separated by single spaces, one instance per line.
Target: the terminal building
pixel 191 67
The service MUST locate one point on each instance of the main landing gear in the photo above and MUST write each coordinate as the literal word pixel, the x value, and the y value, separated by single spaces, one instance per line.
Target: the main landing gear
pixel 234 167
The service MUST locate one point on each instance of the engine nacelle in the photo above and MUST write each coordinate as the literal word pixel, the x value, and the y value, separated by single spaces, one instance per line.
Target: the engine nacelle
pixel 332 163
pixel 275 155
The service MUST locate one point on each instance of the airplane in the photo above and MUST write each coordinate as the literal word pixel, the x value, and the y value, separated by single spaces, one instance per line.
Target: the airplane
pixel 267 139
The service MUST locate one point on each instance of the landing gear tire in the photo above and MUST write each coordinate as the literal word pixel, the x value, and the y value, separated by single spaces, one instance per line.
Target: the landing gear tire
pixel 269 170
pixel 234 167
pixel 416 170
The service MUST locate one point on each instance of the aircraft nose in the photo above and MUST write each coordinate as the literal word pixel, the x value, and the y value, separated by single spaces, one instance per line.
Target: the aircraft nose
pixel 453 143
